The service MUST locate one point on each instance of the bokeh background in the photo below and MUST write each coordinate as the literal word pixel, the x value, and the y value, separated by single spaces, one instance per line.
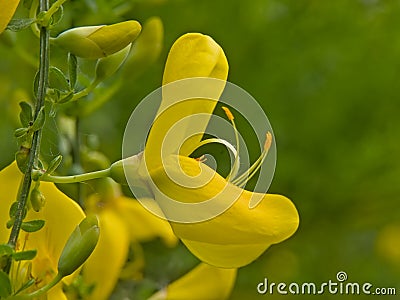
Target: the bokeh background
pixel 327 73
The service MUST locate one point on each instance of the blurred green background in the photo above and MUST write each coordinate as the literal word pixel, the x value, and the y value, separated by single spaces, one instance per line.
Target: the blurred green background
pixel 327 73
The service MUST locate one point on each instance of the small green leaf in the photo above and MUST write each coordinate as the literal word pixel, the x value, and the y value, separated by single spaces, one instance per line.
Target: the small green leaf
pixel 58 80
pixel 26 114
pixel 65 98
pixel 54 164
pixel 19 24
pixel 13 209
pixel 5 285
pixel 22 157
pixel 24 255
pixel 72 70
pixel 19 132
pixel 36 84
pixel 6 250
pixel 10 223
pixel 32 226
pixel 39 121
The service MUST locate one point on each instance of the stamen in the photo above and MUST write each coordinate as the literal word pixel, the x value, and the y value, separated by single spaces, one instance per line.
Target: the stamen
pixel 235 167
pixel 201 159
pixel 242 180
pixel 228 113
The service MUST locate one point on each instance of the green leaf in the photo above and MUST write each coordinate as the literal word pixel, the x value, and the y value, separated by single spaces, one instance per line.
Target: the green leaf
pixel 26 114
pixel 65 98
pixel 5 285
pixel 32 226
pixel 24 255
pixel 20 24
pixel 20 132
pixel 13 209
pixel 6 250
pixel 58 80
pixel 36 84
pixel 54 164
pixel 39 121
pixel 72 70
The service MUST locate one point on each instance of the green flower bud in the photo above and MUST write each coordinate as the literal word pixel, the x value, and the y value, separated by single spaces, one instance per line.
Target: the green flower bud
pixel 147 48
pixel 131 164
pixel 94 42
pixel 79 246
pixel 37 199
pixel 107 66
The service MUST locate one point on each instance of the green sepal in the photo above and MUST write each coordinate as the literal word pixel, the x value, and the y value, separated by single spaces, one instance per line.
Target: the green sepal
pixel 79 246
pixel 5 285
pixel 24 255
pixel 32 226
pixel 26 114
pixel 19 24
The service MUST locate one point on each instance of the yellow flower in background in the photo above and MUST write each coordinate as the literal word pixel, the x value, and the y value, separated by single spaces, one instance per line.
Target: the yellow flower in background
pixel 203 282
pixel 7 10
pixel 239 233
pixel 123 222
pixel 61 215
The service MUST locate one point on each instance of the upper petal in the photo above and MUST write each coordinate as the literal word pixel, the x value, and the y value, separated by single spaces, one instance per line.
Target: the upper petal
pixel 199 58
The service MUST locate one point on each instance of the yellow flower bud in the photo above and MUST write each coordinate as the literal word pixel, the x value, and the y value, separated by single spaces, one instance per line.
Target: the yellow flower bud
pixel 7 10
pixel 107 66
pixel 147 47
pixel 79 246
pixel 94 42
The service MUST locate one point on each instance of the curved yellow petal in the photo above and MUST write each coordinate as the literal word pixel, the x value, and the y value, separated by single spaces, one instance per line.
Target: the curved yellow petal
pixel 234 234
pixel 61 215
pixel 203 282
pixel 7 10
pixel 104 265
pixel 144 226
pixel 193 55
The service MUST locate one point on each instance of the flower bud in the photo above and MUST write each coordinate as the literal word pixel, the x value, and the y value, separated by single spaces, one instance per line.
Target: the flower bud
pixel 131 164
pixel 94 42
pixel 79 246
pixel 107 66
pixel 147 48
pixel 37 199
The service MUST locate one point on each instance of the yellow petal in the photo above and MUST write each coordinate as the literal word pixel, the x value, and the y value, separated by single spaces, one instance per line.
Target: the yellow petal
pixel 60 213
pixel 203 282
pixel 232 234
pixel 143 226
pixel 192 55
pixel 104 265
pixel 7 10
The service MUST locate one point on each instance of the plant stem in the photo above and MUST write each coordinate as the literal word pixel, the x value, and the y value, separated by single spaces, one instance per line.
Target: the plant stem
pixel 76 178
pixel 35 147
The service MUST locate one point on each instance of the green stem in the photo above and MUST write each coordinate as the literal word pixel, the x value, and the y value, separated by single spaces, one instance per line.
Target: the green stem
pixel 85 92
pixel 76 178
pixel 34 151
